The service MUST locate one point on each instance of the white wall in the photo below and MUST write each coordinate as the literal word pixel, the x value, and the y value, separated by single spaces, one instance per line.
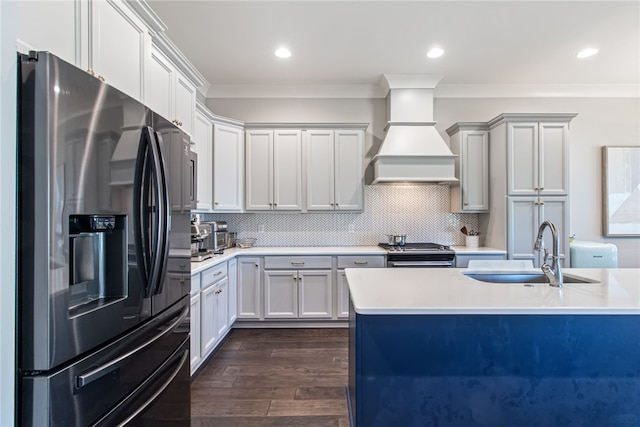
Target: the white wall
pixel 601 121
pixel 7 213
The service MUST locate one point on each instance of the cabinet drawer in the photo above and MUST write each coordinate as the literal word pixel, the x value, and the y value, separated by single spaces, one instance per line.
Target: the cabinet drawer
pixel 213 274
pixel 297 262
pixel 195 284
pixel 370 261
pixel 179 264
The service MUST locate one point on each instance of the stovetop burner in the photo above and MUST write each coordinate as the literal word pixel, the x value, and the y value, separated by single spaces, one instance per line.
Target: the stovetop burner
pixel 417 247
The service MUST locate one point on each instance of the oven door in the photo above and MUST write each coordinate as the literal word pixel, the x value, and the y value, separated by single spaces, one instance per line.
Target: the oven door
pixel 420 260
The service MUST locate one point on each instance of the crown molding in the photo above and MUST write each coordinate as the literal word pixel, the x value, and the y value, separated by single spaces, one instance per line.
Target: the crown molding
pixel 441 91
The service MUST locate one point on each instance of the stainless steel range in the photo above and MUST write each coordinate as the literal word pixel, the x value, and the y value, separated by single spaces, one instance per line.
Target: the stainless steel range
pixel 419 255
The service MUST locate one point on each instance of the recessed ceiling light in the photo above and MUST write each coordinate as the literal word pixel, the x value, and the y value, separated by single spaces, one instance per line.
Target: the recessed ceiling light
pixel 585 53
pixel 435 52
pixel 283 52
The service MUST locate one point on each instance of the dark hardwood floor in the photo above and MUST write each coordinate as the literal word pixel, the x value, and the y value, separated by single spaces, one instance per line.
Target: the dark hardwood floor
pixel 274 377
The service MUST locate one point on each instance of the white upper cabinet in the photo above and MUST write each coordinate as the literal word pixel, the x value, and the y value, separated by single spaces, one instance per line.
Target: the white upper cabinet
pixel 334 169
pixel 50 25
pixel 117 39
pixel 470 141
pixel 168 92
pixel 105 38
pixel 203 146
pixel 185 106
pixel 159 85
pixel 274 170
pixel 538 158
pixel 228 167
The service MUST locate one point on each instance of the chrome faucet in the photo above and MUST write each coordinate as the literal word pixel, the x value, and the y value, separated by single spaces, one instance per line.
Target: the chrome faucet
pixel 553 272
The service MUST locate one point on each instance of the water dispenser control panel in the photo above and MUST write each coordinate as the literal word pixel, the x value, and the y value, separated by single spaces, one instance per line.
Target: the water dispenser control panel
pixel 103 223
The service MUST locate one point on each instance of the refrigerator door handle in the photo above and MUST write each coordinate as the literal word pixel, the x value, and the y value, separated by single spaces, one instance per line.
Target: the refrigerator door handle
pixel 141 225
pixel 158 392
pixel 102 370
pixel 161 225
pixel 165 212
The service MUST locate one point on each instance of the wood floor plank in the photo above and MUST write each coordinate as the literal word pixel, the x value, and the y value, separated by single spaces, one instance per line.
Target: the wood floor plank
pixel 321 421
pixel 258 393
pixel 299 381
pixel 279 370
pixel 230 408
pixel 251 345
pixel 311 393
pixel 308 407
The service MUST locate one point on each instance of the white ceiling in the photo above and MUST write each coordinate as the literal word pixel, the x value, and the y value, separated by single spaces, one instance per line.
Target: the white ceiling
pixel 342 48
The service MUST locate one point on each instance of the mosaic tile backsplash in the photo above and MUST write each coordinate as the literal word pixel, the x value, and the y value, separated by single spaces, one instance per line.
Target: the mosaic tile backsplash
pixel 419 211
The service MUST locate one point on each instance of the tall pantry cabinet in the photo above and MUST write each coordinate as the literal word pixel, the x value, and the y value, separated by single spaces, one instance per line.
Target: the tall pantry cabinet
pixel 529 181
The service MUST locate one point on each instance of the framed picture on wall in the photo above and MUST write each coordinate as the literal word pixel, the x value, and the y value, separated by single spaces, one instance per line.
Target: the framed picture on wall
pixel 621 191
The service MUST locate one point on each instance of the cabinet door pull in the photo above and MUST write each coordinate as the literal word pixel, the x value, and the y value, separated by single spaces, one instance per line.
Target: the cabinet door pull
pixel 361 262
pixel 297 262
pixel 217 273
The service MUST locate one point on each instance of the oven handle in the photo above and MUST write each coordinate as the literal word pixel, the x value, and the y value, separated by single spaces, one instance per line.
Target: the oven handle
pixel 420 264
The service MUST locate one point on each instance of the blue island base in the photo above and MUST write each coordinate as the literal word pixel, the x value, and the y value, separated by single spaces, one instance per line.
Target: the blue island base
pixel 494 370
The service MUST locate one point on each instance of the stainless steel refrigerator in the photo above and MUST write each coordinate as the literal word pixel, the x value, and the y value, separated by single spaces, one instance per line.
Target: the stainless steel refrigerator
pixel 103 258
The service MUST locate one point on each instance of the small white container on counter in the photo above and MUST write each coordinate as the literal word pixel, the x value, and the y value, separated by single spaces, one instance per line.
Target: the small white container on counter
pixel 472 241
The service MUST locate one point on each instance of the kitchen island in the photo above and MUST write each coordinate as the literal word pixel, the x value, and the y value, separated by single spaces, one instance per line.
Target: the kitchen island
pixel 435 347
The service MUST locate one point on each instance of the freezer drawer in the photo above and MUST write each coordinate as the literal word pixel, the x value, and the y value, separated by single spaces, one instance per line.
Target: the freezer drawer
pixel 88 389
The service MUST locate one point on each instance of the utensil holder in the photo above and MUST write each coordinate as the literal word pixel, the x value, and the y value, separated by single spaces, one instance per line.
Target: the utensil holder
pixel 472 241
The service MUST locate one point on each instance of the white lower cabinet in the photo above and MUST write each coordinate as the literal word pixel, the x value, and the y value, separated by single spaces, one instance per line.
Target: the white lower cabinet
pixel 211 308
pixel 195 332
pixel 292 294
pixel 298 287
pixel 351 261
pixel 233 290
pixel 249 288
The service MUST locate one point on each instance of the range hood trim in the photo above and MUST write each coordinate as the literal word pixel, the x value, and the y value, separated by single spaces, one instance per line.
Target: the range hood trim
pixel 412 149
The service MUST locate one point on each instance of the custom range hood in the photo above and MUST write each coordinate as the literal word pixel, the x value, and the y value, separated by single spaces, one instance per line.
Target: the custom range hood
pixel 412 150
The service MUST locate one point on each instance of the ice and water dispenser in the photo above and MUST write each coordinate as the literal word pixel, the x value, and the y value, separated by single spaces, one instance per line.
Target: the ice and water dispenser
pixel 98 264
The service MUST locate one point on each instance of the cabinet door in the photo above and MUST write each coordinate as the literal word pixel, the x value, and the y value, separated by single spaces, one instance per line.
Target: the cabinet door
pixel 287 170
pixel 203 139
pixel 222 307
pixel 522 164
pixel 555 209
pixel 258 168
pixel 117 46
pixel 195 332
pixel 319 147
pixel 343 296
pixel 522 221
pixel 159 83
pixel 475 171
pixel 249 288
pixel 349 172
pixel 315 294
pixel 185 106
pixel 554 158
pixel 50 25
pixel 208 329
pixel 228 171
pixel 281 294
pixel 233 291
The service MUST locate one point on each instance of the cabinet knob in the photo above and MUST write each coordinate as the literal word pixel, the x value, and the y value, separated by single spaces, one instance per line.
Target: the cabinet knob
pixel 101 78
pixel 215 203
pixel 466 203
pixel 91 72
pixel 337 204
pixel 218 291
pixel 270 204
pixel 331 204
pixel 275 204
pixel 257 265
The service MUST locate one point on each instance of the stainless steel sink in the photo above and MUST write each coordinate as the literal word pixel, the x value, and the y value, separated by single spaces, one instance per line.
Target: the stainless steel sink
pixel 520 278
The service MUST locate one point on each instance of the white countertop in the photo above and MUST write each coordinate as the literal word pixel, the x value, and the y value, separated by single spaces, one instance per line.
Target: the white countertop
pixel 231 253
pixel 448 291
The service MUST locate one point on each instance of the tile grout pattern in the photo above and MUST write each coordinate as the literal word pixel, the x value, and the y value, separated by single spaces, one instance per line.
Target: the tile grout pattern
pixel 419 211
pixel 274 377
